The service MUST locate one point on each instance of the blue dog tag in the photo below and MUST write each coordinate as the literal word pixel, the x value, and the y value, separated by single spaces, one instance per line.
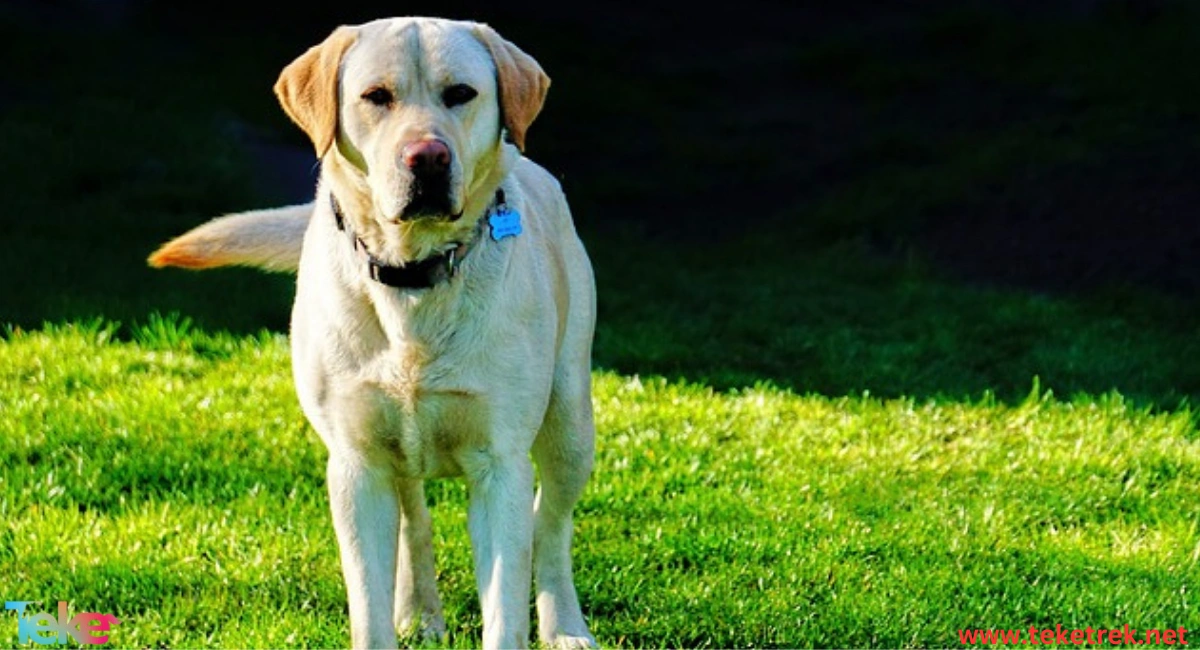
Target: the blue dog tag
pixel 505 222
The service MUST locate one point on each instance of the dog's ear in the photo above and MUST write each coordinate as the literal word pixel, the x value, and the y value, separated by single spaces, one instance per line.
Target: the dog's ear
pixel 308 88
pixel 522 83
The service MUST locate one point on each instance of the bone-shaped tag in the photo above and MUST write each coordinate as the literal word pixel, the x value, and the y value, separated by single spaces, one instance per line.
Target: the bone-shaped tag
pixel 505 222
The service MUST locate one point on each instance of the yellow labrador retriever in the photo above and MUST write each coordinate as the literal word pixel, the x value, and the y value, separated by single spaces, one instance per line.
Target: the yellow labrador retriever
pixel 443 320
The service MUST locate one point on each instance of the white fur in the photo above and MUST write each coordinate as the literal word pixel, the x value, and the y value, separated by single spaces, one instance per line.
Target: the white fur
pixel 470 378
pixel 268 239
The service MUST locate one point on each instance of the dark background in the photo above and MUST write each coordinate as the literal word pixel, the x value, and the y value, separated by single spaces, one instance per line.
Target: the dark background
pixel 689 120
pixel 936 197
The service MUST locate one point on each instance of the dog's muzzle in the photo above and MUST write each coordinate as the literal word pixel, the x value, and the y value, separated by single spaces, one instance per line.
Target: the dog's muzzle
pixel 429 192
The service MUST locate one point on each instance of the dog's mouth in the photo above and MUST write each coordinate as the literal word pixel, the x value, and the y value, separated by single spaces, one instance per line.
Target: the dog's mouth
pixel 429 198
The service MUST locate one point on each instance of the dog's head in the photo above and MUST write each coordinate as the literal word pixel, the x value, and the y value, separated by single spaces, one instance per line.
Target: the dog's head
pixel 413 112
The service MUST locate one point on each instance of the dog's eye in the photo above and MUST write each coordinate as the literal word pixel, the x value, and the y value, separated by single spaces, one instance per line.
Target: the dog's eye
pixel 457 95
pixel 378 96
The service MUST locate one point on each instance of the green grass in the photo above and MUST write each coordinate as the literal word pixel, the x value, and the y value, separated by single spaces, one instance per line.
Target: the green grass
pixel 806 438
pixel 173 482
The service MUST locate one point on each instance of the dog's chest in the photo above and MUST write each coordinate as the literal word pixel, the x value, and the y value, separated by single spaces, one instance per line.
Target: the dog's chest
pixel 420 398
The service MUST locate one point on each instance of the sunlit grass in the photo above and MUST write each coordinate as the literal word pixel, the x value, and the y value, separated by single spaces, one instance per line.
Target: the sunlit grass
pixel 174 482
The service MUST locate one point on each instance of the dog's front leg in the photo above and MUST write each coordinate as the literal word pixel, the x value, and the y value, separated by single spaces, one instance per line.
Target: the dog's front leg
pixel 500 521
pixel 418 607
pixel 362 495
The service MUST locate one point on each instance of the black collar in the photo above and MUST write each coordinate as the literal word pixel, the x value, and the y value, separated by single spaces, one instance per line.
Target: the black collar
pixel 421 274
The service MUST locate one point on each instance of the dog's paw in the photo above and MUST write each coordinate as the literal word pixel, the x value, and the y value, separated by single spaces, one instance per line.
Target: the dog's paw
pixel 568 642
pixel 430 631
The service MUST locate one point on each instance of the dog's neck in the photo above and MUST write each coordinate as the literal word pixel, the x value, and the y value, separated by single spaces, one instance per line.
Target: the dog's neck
pixel 418 274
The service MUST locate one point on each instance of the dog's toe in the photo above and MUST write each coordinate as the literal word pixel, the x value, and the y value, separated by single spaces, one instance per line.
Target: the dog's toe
pixel 568 642
pixel 430 630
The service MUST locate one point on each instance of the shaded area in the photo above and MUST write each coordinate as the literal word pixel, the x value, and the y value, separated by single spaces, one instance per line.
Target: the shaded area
pixel 1130 218
pixel 935 198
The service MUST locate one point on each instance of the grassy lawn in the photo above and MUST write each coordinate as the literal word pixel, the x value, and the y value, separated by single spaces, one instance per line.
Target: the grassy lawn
pixel 818 425
pixel 172 480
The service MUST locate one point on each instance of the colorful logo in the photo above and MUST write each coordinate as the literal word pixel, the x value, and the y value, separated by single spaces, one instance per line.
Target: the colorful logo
pixel 44 629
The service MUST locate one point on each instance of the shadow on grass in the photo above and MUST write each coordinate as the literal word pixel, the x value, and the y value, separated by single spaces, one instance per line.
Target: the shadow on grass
pixel 838 320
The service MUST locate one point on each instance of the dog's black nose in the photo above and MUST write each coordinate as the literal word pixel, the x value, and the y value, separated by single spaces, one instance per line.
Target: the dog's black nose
pixel 427 157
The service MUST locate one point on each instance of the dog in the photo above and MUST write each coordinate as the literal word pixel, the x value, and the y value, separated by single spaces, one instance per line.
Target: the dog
pixel 443 320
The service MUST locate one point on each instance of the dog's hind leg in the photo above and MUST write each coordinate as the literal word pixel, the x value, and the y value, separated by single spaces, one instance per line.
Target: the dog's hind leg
pixel 564 451
pixel 418 607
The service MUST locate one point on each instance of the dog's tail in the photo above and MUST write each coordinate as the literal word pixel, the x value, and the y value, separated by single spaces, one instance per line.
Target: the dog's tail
pixel 267 239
